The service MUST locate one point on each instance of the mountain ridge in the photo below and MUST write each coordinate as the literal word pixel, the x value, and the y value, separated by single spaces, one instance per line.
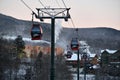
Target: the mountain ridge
pixel 101 37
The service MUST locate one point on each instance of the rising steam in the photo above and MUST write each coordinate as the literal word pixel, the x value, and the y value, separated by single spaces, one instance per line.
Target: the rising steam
pixel 58 28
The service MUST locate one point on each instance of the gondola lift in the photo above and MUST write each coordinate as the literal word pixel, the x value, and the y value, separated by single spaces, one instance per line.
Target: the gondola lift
pixel 36 32
pixel 74 44
pixel 69 54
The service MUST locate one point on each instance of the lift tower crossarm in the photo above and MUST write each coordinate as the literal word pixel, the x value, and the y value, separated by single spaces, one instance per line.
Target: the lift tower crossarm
pixel 58 13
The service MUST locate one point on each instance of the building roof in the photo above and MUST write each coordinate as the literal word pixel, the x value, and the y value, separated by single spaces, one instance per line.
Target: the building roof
pixel 74 57
pixel 109 51
pixel 92 55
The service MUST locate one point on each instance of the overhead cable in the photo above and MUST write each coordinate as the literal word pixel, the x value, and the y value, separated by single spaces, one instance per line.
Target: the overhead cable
pixel 71 17
pixel 26 5
pixel 41 3
pixel 64 3
pixel 58 3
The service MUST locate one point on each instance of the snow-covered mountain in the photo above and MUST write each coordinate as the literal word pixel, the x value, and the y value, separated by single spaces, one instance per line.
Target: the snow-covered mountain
pixel 98 38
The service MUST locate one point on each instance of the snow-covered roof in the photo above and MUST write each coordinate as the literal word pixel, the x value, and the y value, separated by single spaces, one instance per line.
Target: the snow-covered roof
pixel 109 51
pixel 74 57
pixel 83 43
pixel 92 55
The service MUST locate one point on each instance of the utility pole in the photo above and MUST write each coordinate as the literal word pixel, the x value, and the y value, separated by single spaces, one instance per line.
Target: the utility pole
pixel 85 57
pixel 52 13
pixel 78 64
pixel 78 60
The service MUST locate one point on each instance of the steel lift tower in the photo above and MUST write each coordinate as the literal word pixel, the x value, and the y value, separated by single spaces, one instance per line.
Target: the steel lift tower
pixel 52 13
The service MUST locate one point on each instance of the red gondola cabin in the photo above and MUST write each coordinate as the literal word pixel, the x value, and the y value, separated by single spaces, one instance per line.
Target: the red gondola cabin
pixel 36 32
pixel 74 44
pixel 69 54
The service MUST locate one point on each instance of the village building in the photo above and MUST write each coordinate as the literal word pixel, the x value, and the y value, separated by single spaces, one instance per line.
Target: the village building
pixel 110 62
pixel 110 56
pixel 33 51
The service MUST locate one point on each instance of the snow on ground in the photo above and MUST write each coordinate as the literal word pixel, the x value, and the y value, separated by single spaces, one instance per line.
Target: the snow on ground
pixel 74 70
pixel 81 76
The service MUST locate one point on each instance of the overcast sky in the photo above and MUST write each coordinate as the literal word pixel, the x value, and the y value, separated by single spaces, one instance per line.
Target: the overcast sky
pixel 85 13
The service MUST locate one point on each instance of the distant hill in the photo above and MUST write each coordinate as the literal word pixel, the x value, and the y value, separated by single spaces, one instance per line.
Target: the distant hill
pixel 97 38
pixel 13 27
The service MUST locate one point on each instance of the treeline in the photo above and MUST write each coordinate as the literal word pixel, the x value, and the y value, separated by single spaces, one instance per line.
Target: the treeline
pixel 10 54
pixel 42 68
pixel 10 61
pixel 7 52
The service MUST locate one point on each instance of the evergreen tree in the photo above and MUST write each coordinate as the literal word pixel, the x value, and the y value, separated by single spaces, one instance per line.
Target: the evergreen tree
pixel 20 45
